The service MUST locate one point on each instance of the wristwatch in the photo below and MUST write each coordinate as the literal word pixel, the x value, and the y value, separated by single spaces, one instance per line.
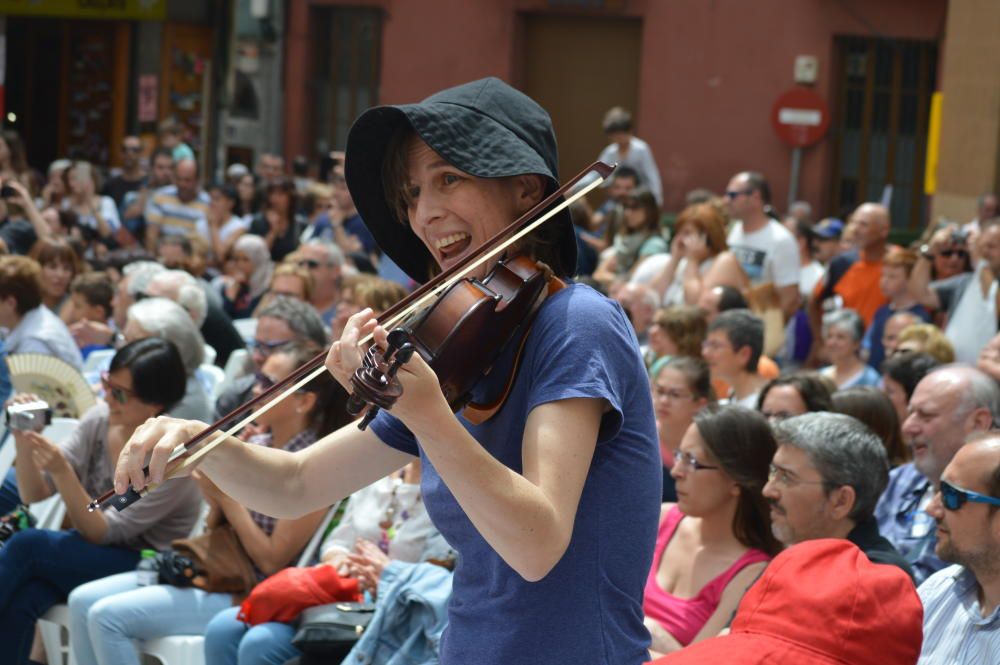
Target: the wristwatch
pixel 925 251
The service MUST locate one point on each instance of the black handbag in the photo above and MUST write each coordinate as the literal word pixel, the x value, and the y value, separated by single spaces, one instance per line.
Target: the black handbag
pixel 333 629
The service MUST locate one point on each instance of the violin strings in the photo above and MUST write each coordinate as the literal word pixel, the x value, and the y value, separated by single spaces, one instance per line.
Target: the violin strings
pixel 194 458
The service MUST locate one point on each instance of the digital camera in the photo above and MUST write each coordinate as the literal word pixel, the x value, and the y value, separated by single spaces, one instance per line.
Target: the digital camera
pixel 29 417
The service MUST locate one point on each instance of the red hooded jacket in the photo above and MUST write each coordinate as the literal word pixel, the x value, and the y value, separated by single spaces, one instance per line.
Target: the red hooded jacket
pixel 818 603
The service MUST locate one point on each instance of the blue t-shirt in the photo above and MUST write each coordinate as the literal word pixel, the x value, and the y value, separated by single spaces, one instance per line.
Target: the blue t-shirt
pixel 588 609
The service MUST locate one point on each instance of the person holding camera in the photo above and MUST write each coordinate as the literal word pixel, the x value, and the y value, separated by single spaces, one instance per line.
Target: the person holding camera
pixel 106 615
pixel 38 567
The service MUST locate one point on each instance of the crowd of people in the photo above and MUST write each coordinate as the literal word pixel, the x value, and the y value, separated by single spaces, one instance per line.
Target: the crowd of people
pixel 821 404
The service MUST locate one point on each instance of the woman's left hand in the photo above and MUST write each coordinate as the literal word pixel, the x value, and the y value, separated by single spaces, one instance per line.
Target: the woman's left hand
pixel 46 455
pixel 422 401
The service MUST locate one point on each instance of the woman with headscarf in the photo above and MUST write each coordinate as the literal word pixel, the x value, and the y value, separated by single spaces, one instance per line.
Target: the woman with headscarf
pixel 243 288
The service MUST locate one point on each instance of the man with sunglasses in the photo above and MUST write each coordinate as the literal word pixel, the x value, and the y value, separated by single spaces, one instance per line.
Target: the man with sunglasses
pixel 826 476
pixel 948 406
pixel 767 251
pixel 962 602
pixel 324 261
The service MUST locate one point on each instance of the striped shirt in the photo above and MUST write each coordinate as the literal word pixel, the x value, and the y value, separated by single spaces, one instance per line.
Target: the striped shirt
pixel 955 630
pixel 173 216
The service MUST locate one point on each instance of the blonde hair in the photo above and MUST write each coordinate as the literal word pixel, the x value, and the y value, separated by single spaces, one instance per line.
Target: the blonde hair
pixel 931 340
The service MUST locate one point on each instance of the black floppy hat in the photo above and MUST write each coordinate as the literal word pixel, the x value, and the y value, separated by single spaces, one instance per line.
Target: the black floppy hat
pixel 485 128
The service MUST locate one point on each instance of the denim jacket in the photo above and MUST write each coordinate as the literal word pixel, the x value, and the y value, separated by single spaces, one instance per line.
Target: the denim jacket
pixel 410 616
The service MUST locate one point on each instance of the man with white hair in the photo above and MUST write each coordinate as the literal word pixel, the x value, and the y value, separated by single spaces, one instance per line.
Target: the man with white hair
pixel 215 326
pixel 948 406
pixel 159 317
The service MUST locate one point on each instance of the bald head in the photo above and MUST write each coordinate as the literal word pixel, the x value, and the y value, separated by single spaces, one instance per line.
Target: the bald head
pixel 976 390
pixel 186 179
pixel 983 455
pixel 895 325
pixel 871 226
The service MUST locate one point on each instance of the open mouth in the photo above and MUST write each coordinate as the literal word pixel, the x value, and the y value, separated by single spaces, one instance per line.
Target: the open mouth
pixel 453 246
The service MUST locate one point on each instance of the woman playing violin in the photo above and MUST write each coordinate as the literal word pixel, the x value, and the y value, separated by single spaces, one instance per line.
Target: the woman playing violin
pixel 552 504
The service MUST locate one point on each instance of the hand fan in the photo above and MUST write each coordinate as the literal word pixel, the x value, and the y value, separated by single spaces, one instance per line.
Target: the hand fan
pixel 53 380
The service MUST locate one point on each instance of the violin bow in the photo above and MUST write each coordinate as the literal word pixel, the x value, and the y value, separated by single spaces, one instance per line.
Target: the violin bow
pixel 183 458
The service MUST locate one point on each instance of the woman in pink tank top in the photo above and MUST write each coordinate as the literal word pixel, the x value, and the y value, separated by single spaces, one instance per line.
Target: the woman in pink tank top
pixel 716 540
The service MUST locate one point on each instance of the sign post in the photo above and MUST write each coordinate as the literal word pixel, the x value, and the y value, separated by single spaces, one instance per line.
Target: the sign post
pixel 800 118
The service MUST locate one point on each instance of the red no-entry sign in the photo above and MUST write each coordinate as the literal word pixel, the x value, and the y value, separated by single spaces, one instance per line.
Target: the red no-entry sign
pixel 800 117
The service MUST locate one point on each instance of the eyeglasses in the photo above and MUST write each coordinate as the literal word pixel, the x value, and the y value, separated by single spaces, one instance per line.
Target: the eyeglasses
pixel 949 253
pixel 672 395
pixel 953 498
pixel 117 393
pixel 786 478
pixel 266 348
pixel 310 264
pixel 687 459
pixel 733 194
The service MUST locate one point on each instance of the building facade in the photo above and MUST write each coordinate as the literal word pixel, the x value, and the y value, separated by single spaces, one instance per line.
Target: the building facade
pixel 700 77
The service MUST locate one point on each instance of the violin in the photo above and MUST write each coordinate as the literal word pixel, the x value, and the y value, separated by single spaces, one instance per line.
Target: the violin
pixel 457 323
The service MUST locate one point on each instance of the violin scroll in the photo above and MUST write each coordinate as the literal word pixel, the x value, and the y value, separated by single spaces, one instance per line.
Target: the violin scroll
pixel 375 382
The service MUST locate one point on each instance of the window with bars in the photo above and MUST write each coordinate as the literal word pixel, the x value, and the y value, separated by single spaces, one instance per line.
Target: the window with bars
pixel 347 71
pixel 881 116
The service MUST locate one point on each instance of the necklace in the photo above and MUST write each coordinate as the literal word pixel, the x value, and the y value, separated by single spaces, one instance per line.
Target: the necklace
pixel 388 525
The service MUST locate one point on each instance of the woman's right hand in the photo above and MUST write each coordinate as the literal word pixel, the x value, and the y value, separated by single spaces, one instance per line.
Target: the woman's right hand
pixel 346 354
pixel 156 438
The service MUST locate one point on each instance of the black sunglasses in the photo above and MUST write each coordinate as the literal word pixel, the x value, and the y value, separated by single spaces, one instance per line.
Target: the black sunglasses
pixel 117 393
pixel 732 194
pixel 953 498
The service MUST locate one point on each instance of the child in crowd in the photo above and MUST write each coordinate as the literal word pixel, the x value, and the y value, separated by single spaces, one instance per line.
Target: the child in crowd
pixel 90 300
pixel 896 268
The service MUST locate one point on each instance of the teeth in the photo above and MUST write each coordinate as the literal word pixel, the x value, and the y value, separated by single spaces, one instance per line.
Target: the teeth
pixel 450 240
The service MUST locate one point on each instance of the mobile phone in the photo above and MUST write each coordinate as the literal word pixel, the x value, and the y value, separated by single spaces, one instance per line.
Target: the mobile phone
pixel 7 192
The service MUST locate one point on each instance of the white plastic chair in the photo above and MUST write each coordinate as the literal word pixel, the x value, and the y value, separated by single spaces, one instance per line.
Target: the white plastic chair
pixel 247 328
pixel 54 629
pixel 237 365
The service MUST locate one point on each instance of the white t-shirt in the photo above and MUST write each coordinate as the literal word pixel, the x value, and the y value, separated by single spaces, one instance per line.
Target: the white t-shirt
pixel 809 274
pixel 973 323
pixel 768 255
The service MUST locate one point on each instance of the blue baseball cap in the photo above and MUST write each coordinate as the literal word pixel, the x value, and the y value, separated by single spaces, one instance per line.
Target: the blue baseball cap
pixel 828 229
